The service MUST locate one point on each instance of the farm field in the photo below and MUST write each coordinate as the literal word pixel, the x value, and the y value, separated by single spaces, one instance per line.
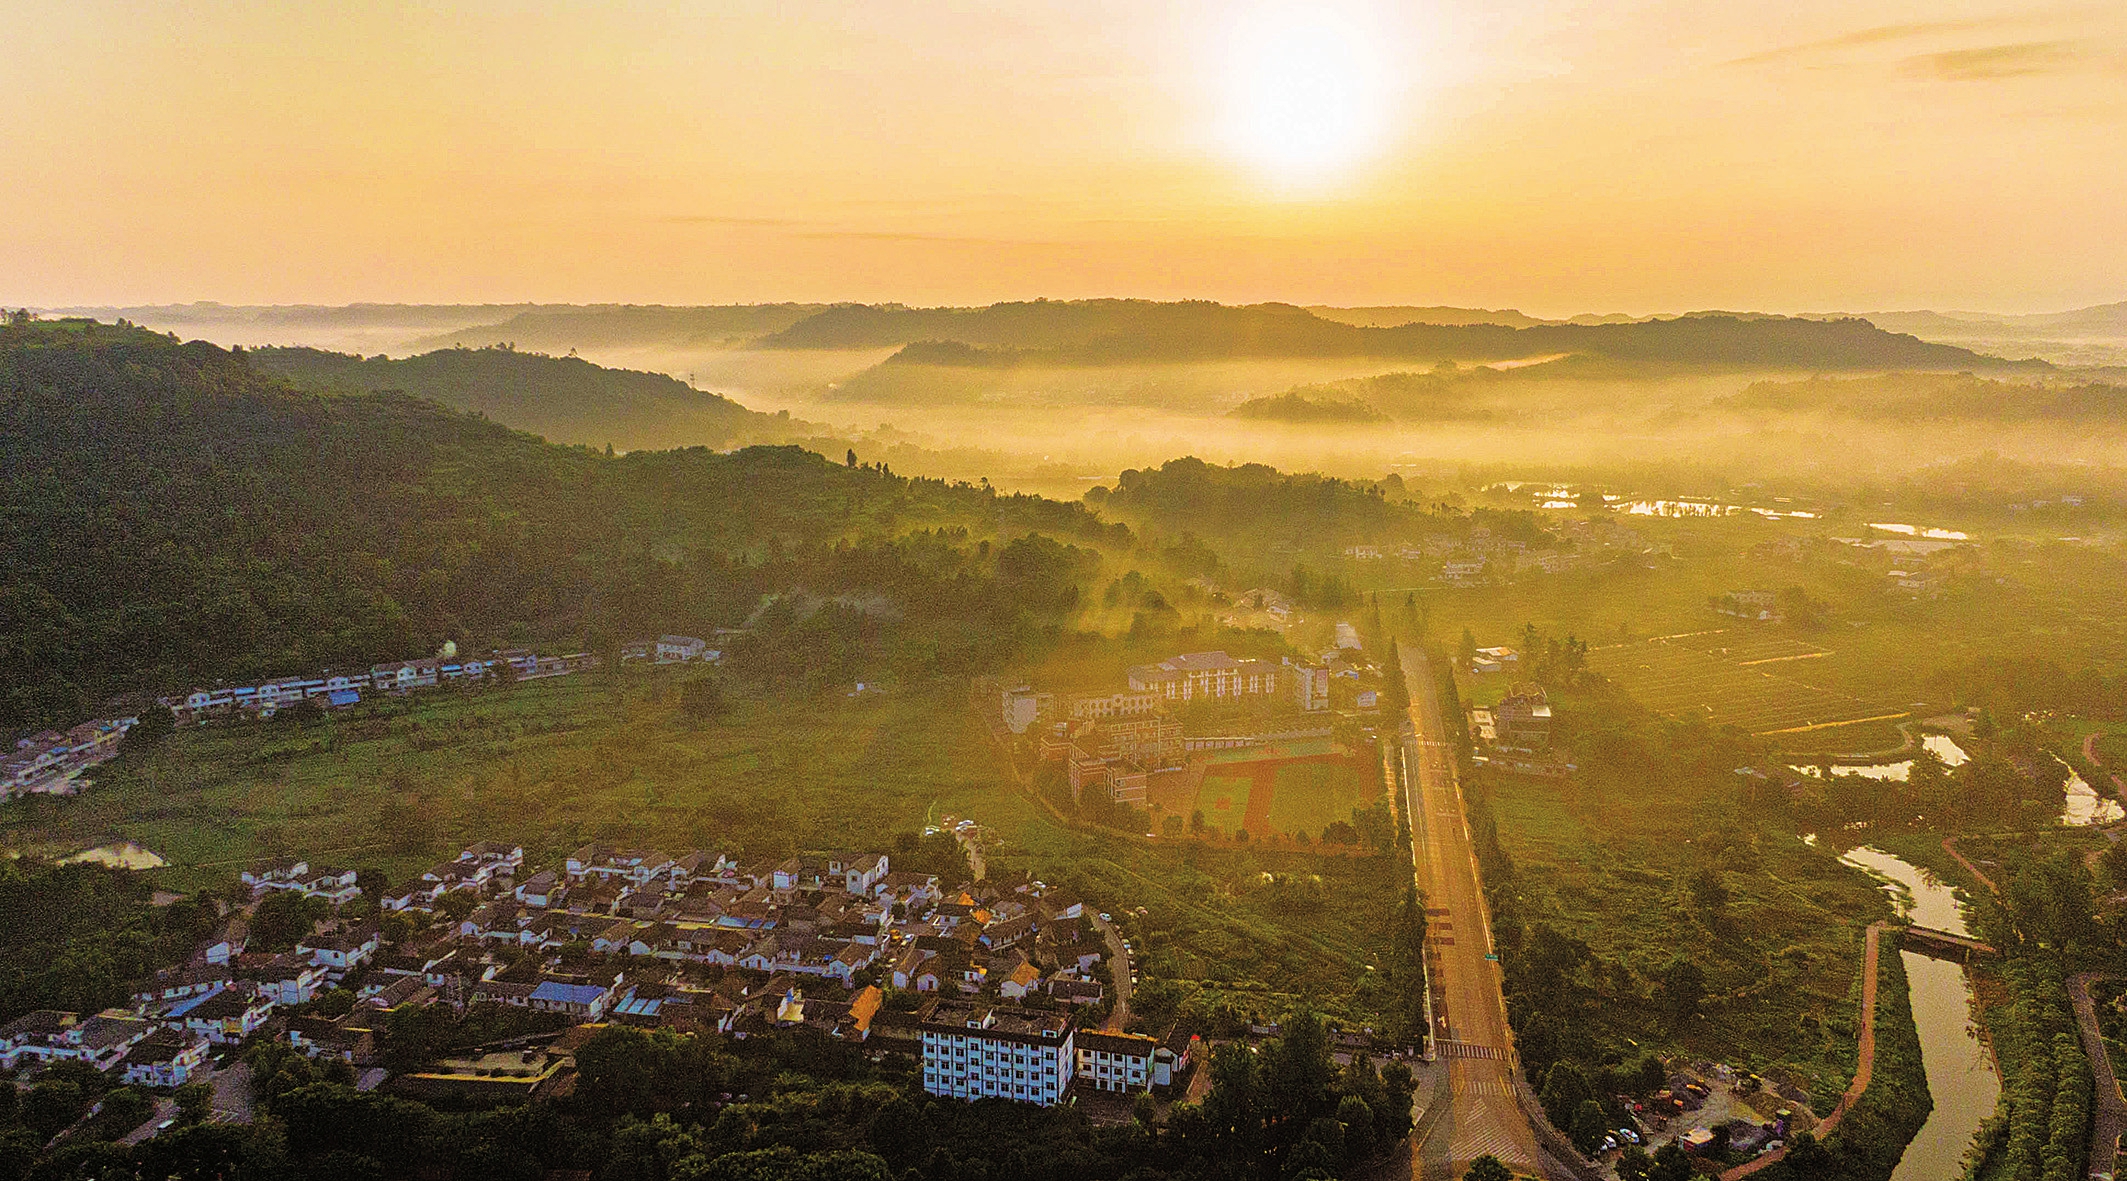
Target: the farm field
pixel 1760 684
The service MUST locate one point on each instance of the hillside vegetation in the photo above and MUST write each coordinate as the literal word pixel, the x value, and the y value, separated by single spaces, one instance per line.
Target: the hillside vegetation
pixel 177 514
pixel 565 399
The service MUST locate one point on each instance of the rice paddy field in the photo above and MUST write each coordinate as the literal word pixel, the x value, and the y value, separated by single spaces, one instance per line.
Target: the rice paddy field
pixel 1767 685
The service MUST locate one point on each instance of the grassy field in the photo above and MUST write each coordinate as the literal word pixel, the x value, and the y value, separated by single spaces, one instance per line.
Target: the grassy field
pixel 1781 958
pixel 1761 684
pixel 550 765
pixel 399 784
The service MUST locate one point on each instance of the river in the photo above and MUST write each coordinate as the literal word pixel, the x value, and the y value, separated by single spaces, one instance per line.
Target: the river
pixel 2081 805
pixel 1960 1071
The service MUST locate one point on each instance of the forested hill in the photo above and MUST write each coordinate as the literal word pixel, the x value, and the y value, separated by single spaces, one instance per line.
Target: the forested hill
pixel 630 325
pixel 1928 396
pixel 1119 331
pixel 173 513
pixel 564 399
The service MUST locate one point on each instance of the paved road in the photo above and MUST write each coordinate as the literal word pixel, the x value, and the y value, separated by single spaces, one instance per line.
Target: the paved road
pixel 2110 1121
pixel 1119 975
pixel 1477 1110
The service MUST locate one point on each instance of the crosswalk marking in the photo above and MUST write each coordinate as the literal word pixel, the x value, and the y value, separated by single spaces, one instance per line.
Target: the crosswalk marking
pixel 1455 1049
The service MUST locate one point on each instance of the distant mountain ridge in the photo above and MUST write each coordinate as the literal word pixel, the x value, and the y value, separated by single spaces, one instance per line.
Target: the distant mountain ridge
pixel 563 399
pixel 629 325
pixel 1095 332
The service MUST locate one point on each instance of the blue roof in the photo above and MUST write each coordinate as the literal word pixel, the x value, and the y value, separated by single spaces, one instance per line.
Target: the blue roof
pixel 555 991
pixel 193 1002
pixel 345 697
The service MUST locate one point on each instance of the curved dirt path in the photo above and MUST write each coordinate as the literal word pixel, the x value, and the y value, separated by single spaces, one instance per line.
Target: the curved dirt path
pixel 1864 1057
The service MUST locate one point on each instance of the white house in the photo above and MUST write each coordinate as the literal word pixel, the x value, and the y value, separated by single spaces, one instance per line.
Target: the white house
pixel 677 649
pixel 340 951
pixel 165 1058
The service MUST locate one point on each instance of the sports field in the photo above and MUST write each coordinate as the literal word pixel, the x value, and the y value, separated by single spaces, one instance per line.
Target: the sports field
pixel 1288 789
pixel 1763 685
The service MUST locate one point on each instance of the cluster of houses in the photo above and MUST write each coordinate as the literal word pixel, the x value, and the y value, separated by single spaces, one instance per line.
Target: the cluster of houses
pixel 342 688
pixel 50 761
pixel 1480 559
pixel 673 650
pixel 701 942
pixel 1515 735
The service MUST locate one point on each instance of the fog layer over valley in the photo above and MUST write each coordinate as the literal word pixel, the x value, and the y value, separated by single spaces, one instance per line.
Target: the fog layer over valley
pixel 1057 397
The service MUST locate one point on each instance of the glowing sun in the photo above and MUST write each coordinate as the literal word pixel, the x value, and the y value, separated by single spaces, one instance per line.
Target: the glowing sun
pixel 1306 92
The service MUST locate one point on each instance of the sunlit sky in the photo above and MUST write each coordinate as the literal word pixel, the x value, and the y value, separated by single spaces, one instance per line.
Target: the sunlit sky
pixel 1557 156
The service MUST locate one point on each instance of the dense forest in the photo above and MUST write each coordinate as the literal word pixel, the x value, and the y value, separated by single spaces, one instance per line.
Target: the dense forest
pixel 177 514
pixel 1307 405
pixel 565 399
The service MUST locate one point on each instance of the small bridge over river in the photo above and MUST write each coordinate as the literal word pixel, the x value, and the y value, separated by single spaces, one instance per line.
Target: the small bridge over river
pixel 1942 945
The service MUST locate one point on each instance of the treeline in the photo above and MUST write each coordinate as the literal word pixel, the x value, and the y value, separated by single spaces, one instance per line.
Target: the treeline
pixel 75 937
pixel 1256 505
pixel 2045 924
pixel 178 516
pixel 1936 396
pixel 793 1106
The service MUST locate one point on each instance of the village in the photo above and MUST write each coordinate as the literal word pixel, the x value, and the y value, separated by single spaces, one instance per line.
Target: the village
pixel 1004 989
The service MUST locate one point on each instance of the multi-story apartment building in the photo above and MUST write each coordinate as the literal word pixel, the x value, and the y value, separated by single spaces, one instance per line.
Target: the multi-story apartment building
pixel 1116 1061
pixel 973 1050
pixel 1205 674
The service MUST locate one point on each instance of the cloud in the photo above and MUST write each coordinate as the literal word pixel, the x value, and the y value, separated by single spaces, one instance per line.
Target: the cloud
pixel 1871 36
pixel 1993 61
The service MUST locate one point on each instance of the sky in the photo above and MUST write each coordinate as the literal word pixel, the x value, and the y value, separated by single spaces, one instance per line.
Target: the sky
pixel 1556 156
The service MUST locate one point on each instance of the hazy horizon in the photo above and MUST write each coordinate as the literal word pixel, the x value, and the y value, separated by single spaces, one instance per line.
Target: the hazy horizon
pixel 1563 159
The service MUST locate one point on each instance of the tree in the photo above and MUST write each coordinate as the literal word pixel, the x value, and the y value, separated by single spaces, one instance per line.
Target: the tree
pixel 1589 1127
pixel 701 698
pixel 1708 896
pixel 1671 1163
pixel 195 1102
pixel 1487 1168
pixel 1633 1164
pixel 1682 986
pixel 50 1106
pixel 156 723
